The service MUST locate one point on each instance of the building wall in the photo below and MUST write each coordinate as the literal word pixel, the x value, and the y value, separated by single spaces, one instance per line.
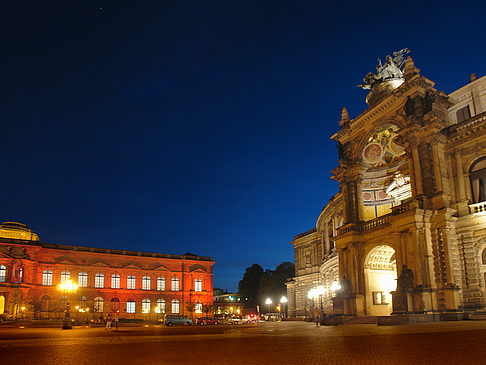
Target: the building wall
pixel 35 257
pixel 434 225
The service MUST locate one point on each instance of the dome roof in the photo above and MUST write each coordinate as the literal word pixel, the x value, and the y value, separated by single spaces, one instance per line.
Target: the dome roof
pixel 17 231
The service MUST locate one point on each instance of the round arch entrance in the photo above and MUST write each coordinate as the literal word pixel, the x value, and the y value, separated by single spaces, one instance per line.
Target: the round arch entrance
pixel 381 278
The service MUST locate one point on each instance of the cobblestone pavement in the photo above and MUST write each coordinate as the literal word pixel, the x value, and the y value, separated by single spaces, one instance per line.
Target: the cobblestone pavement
pixel 263 343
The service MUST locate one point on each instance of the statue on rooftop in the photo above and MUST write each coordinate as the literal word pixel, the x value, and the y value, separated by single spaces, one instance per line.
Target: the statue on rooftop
pixel 392 69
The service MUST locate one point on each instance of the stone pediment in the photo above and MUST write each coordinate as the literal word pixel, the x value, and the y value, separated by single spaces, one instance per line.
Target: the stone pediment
pixel 64 260
pixel 99 264
pixel 160 267
pixel 131 265
pixel 198 268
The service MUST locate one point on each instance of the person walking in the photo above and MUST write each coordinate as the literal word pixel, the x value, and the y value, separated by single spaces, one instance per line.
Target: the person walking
pixel 116 322
pixel 108 323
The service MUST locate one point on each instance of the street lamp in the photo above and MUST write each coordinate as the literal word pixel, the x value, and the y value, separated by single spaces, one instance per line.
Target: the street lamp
pixel 320 291
pixel 268 302
pixel 67 288
pixel 284 301
pixel 157 310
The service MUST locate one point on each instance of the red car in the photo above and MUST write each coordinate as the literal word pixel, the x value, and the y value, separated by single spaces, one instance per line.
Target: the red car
pixel 207 320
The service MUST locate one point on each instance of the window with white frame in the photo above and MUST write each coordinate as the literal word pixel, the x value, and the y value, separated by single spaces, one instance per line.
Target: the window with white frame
pixel 175 284
pixel 160 283
pixel 161 305
pixel 146 306
pixel 3 273
pixel 98 304
pixel 198 285
pixel 146 283
pixel 175 306
pixel 198 307
pixel 65 276
pixel 47 277
pixel 130 306
pixel 115 281
pixel 130 282
pixel 82 280
pixel 99 280
pixel 21 274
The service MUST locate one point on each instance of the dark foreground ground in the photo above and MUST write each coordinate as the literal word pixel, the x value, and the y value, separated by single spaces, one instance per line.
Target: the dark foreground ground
pixel 263 343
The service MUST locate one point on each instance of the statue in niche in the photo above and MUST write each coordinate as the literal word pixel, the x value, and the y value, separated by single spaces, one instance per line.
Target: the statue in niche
pixel 400 296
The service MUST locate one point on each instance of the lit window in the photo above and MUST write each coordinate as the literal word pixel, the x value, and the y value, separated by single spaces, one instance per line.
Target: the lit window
pixel 146 306
pixel 115 304
pixel 175 306
pixel 98 304
pixel 379 298
pixel 130 306
pixel 161 305
pixel 82 280
pixel 99 280
pixel 160 284
pixel 21 274
pixel 146 283
pixel 115 281
pixel 198 307
pixel 3 273
pixel 83 303
pixel 198 285
pixel 131 282
pixel 47 277
pixel 175 285
pixel 65 276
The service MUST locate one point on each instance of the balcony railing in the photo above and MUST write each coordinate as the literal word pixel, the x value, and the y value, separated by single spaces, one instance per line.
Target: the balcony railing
pixel 477 208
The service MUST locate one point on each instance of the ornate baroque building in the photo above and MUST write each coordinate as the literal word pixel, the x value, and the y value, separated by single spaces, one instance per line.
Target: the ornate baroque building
pixel 406 233
pixel 130 283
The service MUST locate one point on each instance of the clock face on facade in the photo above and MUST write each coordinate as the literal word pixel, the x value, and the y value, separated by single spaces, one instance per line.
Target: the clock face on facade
pixel 382 148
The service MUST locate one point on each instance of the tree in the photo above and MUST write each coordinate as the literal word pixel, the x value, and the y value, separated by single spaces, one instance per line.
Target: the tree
pixel 272 283
pixel 207 308
pixel 34 305
pixel 190 307
pixel 249 286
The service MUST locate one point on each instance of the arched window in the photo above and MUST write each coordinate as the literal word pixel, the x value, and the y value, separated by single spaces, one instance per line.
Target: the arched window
pixel 146 306
pixel 477 175
pixel 3 273
pixel 130 306
pixel 47 277
pixel 2 304
pixel 175 284
pixel 99 280
pixel 160 283
pixel 161 305
pixel 115 304
pixel 175 306
pixel 46 303
pixel 146 283
pixel 82 280
pixel 65 276
pixel 131 282
pixel 98 304
pixel 484 256
pixel 115 281
pixel 198 285
pixel 198 307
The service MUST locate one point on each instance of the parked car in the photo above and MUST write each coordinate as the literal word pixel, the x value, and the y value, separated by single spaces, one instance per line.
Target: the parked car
pixel 171 319
pixel 206 320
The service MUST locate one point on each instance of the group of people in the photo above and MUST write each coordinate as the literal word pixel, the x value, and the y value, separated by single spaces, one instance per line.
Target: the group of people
pixel 110 322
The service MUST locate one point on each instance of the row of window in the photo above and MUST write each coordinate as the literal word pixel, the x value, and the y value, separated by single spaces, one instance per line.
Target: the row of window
pixel 3 274
pixel 115 281
pixel 98 305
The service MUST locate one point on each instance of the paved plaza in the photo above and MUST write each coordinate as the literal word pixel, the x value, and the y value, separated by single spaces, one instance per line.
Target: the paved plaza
pixel 263 343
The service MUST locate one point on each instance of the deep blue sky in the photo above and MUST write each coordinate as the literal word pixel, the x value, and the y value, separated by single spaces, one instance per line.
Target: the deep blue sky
pixel 201 126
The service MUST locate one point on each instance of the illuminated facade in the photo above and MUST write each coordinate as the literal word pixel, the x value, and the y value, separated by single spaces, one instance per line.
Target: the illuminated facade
pixel 411 209
pixel 137 285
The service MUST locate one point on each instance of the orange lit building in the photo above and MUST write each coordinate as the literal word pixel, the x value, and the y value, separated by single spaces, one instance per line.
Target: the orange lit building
pixel 137 285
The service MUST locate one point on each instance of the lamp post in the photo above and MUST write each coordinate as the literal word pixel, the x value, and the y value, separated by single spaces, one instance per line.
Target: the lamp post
pixel 311 295
pixel 268 302
pixel 157 310
pixel 67 288
pixel 284 301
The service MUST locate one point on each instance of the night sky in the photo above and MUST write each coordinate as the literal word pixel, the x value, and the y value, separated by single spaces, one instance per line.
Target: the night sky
pixel 200 126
